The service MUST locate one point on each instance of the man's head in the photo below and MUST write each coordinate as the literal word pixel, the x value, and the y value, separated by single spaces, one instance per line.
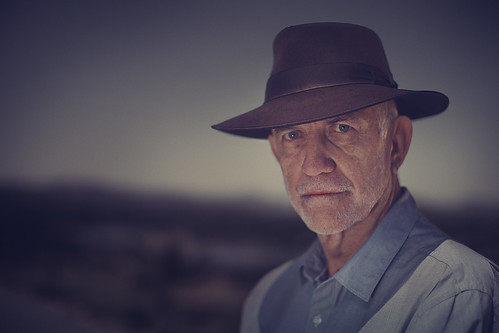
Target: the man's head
pixel 340 170
pixel 337 123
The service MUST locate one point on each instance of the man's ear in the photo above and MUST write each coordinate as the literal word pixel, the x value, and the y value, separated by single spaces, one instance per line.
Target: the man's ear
pixel 401 140
pixel 273 145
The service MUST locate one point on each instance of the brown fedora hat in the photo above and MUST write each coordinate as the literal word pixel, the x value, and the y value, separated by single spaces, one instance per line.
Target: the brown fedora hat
pixel 322 70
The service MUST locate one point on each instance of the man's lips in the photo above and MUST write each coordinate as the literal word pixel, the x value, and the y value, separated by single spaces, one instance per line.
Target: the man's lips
pixel 319 193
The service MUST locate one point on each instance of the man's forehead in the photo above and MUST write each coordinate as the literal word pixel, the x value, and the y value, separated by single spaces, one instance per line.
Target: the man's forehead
pixel 367 115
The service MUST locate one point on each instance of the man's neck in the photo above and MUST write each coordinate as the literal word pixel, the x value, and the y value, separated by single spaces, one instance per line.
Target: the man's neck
pixel 340 247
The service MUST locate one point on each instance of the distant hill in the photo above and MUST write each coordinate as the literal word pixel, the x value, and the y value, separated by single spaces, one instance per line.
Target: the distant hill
pixel 129 261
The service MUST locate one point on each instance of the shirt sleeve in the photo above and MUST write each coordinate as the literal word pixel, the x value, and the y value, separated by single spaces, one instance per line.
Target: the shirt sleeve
pixel 452 290
pixel 470 311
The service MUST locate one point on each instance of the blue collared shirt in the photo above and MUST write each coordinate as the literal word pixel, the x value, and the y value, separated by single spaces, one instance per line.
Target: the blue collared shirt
pixel 300 297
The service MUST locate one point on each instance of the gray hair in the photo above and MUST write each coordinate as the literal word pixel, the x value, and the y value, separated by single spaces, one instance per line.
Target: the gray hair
pixel 386 113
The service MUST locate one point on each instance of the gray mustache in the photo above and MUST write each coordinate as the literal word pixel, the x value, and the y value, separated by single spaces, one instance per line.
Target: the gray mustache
pixel 318 184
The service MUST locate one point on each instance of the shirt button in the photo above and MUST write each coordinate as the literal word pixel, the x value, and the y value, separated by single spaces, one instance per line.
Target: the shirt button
pixel 317 320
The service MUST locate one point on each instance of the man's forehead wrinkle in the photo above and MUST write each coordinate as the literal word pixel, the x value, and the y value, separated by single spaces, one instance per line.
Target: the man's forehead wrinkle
pixel 359 115
pixel 365 117
pixel 344 117
pixel 281 129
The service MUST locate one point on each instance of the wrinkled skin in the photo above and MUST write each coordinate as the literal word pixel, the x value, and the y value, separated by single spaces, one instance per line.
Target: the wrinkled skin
pixel 341 173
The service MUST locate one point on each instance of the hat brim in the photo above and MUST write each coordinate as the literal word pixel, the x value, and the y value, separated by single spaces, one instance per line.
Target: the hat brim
pixel 322 103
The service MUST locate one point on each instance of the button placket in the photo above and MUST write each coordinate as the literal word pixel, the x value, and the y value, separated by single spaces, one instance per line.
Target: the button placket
pixel 319 307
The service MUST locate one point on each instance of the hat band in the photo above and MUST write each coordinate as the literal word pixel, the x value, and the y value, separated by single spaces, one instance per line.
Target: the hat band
pixel 324 75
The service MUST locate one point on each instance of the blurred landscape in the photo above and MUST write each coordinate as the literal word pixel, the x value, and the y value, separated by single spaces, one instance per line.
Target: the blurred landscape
pixel 125 261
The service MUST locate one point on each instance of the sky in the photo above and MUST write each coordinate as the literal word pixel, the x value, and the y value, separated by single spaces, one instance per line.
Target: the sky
pixel 123 93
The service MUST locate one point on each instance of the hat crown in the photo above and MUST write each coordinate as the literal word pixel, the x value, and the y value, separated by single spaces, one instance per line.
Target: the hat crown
pixel 328 43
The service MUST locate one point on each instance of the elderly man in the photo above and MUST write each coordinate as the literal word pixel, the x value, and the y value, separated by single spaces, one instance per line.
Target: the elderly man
pixel 340 129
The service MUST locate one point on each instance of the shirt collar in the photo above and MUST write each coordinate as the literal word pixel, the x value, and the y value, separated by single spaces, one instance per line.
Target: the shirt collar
pixel 362 273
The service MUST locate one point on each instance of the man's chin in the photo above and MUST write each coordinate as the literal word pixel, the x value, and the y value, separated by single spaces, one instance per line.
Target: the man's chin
pixel 325 231
pixel 327 224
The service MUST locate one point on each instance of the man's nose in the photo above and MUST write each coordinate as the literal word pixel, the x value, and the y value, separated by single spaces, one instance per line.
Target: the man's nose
pixel 317 160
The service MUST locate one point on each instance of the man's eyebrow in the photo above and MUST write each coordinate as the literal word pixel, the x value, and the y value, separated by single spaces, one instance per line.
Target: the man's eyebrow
pixel 344 117
pixel 278 130
pixel 333 120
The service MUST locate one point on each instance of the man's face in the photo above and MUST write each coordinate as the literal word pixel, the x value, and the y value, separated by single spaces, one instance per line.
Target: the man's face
pixel 336 170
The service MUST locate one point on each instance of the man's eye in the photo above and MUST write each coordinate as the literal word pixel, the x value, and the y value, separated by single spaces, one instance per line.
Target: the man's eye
pixel 293 135
pixel 342 128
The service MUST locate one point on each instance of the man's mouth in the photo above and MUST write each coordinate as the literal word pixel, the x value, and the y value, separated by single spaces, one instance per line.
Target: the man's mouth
pixel 321 193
